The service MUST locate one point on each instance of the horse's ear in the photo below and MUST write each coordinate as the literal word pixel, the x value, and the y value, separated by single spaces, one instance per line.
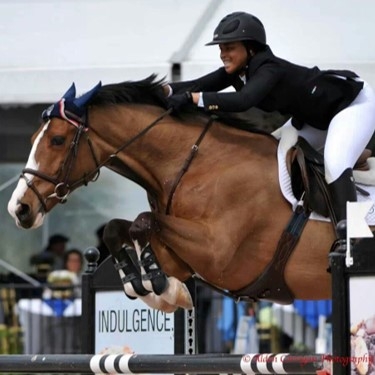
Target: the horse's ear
pixel 85 98
pixel 71 93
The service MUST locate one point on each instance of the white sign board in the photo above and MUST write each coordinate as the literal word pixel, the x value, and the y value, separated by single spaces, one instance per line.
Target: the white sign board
pixel 122 324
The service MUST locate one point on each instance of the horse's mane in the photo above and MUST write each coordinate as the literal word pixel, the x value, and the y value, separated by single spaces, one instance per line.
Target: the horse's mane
pixel 150 91
pixel 146 91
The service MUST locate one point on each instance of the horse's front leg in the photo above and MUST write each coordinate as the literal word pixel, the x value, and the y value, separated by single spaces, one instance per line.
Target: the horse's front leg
pixel 170 289
pixel 117 239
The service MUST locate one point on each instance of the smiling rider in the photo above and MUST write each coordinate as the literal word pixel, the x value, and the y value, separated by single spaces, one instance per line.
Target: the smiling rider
pixel 334 110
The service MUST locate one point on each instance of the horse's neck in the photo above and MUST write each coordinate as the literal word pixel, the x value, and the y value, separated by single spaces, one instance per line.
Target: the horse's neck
pixel 153 158
pixel 157 158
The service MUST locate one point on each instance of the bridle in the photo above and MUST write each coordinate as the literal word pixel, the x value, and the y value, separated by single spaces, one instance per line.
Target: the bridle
pixel 62 186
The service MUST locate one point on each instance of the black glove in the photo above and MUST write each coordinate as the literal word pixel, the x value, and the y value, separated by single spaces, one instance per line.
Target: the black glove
pixel 177 101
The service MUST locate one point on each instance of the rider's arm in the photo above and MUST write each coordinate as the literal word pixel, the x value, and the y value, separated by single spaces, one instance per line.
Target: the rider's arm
pixel 215 81
pixel 252 93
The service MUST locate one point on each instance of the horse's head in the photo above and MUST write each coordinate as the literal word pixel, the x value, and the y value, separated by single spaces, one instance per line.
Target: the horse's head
pixel 60 160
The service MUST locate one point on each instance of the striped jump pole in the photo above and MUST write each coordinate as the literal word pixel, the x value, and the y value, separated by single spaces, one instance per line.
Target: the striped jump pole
pixel 167 364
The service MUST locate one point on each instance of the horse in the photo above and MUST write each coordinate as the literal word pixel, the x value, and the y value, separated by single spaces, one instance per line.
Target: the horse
pixel 216 209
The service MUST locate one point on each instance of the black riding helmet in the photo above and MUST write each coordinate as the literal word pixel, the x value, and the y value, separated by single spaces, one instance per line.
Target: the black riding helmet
pixel 239 26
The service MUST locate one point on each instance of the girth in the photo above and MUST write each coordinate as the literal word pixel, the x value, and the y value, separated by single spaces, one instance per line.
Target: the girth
pixel 271 285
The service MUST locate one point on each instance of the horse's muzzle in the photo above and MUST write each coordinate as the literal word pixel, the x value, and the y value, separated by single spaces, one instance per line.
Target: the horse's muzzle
pixel 25 218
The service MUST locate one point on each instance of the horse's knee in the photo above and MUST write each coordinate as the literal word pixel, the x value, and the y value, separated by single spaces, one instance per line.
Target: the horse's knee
pixel 116 232
pixel 142 228
pixel 143 222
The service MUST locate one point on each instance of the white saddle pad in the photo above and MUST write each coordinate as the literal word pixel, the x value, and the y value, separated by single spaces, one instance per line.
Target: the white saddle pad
pixel 364 179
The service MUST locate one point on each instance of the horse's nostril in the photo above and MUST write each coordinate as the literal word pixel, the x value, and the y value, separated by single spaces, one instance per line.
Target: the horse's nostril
pixel 23 211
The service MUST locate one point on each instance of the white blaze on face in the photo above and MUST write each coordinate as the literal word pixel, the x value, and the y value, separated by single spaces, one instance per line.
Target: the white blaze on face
pixel 22 186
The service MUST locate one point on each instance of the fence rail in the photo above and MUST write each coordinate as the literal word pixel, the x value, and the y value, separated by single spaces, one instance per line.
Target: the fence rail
pixel 167 364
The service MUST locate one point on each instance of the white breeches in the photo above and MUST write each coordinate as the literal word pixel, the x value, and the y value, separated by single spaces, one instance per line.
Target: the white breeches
pixel 347 136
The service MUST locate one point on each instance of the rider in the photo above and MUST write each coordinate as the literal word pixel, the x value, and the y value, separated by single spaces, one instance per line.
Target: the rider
pixel 333 110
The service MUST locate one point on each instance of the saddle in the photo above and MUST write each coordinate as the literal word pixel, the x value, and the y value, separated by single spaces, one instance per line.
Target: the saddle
pixel 306 168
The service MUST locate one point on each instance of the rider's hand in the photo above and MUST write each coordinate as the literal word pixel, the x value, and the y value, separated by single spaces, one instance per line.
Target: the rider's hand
pixel 177 101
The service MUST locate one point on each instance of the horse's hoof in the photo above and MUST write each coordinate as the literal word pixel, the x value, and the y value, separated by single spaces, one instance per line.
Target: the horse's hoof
pixel 178 294
pixel 184 299
pixel 158 303
pixel 167 308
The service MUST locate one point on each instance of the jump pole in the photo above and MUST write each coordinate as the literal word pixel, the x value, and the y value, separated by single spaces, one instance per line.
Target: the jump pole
pixel 167 364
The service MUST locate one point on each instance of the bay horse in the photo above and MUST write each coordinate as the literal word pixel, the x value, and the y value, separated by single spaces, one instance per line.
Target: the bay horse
pixel 216 210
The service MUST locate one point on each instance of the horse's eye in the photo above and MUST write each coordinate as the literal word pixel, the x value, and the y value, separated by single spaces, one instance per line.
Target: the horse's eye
pixel 57 140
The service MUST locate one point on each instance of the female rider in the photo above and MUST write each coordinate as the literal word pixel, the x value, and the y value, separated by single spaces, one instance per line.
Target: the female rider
pixel 333 110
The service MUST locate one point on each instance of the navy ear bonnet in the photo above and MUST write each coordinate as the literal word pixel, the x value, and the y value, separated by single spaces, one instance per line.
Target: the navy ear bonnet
pixel 71 108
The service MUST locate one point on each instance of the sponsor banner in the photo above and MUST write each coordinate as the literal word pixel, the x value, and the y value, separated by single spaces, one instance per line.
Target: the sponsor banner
pixel 123 325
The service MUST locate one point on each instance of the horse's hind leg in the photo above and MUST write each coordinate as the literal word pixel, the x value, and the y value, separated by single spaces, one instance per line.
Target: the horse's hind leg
pixel 169 288
pixel 116 237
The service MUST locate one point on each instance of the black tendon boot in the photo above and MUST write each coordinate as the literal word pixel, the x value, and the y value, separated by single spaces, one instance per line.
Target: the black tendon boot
pixel 153 271
pixel 342 190
pixel 126 260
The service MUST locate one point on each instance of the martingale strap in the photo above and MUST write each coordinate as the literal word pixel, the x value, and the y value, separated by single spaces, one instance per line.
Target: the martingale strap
pixel 189 159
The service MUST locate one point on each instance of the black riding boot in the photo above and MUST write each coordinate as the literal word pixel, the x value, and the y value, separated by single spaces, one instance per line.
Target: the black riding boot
pixel 342 190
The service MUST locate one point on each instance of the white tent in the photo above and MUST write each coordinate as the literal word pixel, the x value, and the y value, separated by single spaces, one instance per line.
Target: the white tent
pixel 330 34
pixel 47 44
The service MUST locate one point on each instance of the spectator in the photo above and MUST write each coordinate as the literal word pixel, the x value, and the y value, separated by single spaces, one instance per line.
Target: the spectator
pixel 61 285
pixel 231 313
pixel 54 252
pixel 42 265
pixel 73 262
pixel 101 246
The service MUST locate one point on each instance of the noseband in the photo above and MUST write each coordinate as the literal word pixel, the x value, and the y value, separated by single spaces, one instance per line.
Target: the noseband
pixel 62 187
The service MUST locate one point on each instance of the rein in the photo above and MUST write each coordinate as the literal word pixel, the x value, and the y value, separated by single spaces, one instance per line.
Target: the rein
pixel 70 159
